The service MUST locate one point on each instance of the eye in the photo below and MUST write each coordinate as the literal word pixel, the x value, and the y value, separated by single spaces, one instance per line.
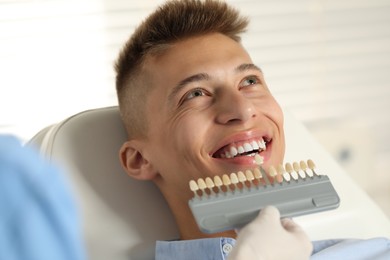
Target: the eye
pixel 249 81
pixel 198 92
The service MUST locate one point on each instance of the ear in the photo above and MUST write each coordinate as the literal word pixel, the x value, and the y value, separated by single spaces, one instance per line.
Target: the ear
pixel 134 162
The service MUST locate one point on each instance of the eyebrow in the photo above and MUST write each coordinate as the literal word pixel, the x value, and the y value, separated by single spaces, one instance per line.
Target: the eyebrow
pixel 194 78
pixel 204 76
pixel 246 67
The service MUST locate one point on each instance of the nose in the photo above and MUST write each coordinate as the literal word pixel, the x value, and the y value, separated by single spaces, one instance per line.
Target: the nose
pixel 234 107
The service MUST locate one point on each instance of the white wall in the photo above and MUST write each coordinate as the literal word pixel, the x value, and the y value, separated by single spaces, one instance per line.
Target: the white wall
pixel 326 61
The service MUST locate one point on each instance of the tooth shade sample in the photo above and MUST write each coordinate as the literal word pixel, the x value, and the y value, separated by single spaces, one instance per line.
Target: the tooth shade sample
pixel 241 176
pixel 218 181
pixel 272 171
pixel 193 186
pixel 303 165
pixel 298 170
pixel 226 180
pixel 281 171
pixel 296 166
pixel 290 170
pixel 312 166
pixel 233 178
pixel 249 175
pixel 257 173
pixel 286 177
pixel 201 184
pixel 259 159
pixel 304 168
pixel 296 197
pixel 209 183
pixel 253 178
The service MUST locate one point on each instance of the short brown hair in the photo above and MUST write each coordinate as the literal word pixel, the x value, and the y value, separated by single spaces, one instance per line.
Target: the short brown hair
pixel 173 21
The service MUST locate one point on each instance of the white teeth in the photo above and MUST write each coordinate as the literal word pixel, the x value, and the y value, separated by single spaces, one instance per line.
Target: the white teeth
pixel 261 144
pixel 255 145
pixel 228 155
pixel 233 151
pixel 248 147
pixel 240 149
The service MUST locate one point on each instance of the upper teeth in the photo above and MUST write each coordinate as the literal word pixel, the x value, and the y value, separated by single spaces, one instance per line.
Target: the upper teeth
pixel 235 150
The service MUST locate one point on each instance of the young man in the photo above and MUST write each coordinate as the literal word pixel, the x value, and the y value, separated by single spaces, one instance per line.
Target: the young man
pixel 191 100
pixel 188 94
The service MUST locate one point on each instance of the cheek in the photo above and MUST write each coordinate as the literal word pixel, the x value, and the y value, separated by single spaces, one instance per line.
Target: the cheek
pixel 189 132
pixel 269 108
pixel 276 113
pixel 278 118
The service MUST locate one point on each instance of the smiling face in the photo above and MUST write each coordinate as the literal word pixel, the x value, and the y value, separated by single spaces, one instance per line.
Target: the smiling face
pixel 209 111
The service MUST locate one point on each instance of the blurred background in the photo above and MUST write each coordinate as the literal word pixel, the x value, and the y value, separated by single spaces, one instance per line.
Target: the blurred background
pixel 326 61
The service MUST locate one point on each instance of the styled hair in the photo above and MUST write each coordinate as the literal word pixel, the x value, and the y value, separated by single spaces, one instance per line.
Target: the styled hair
pixel 171 22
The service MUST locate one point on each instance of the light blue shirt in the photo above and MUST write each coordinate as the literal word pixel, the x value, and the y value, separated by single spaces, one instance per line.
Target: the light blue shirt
pixel 219 249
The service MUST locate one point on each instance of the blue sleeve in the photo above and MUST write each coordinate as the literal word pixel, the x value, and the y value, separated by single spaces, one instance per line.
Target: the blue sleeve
pixel 38 217
pixel 357 249
pixel 219 248
pixel 197 249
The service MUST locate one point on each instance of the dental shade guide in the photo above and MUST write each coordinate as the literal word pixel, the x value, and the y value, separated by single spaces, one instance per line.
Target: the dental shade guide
pixel 232 201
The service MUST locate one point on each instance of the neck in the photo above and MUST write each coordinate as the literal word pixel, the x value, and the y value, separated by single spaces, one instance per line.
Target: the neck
pixel 177 200
pixel 187 225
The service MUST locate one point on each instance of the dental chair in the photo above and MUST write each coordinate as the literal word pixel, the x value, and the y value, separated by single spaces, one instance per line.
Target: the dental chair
pixel 122 217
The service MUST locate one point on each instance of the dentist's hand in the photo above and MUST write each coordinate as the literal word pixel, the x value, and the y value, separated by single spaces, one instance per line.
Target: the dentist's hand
pixel 267 237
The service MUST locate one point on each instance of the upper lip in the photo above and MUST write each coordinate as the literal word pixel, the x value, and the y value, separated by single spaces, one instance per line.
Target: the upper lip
pixel 241 139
